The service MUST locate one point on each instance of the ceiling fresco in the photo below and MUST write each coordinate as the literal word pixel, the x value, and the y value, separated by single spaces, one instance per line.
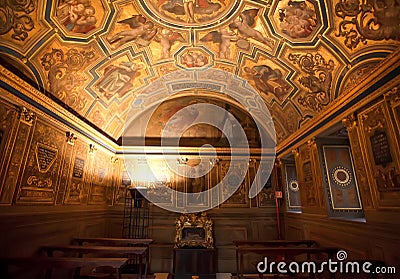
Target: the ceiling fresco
pixel 97 56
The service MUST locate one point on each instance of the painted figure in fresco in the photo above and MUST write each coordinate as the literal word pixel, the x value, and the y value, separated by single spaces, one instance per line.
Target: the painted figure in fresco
pixel 297 19
pixel 86 22
pixel 167 38
pixel 229 124
pixel 179 122
pixel 193 59
pixel 189 8
pixel 224 37
pixel 77 15
pixel 245 26
pixel 268 80
pixel 118 79
pixel 142 31
pixel 196 186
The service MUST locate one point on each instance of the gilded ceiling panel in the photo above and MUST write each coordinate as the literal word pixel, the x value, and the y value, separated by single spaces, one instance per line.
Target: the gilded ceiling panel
pixel 97 56
pixel 63 68
pixel 80 18
pixel 317 74
pixel 287 120
pixel 362 25
pixel 188 13
pixel 268 76
pixel 296 21
pixel 357 74
pixel 22 24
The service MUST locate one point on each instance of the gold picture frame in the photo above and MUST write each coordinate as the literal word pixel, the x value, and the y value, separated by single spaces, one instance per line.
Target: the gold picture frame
pixel 194 230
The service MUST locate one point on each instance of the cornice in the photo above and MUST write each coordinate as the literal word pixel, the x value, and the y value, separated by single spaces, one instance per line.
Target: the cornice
pixel 39 99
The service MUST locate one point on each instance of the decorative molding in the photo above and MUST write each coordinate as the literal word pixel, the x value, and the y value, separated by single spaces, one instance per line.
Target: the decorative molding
pixel 27 116
pixel 92 148
pixel 350 122
pixel 393 95
pixel 114 160
pixel 70 137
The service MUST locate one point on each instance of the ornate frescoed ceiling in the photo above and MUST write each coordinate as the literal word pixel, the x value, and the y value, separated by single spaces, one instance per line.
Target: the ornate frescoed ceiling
pixel 96 56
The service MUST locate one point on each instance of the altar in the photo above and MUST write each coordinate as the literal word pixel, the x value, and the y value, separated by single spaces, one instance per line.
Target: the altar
pixel 194 253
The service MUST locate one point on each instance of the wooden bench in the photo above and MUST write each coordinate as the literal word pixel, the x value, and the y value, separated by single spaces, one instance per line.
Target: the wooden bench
pixel 48 264
pixel 113 241
pixel 108 241
pixel 141 252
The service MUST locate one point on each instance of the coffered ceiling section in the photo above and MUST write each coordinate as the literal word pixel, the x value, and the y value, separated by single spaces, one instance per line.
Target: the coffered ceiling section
pixel 96 56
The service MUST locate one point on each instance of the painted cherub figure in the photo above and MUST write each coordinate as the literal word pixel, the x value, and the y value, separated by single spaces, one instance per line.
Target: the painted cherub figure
pixel 167 38
pixel 245 26
pixel 224 37
pixel 141 32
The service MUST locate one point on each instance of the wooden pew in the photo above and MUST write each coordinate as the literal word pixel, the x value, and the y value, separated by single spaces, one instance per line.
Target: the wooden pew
pixel 113 241
pixel 67 263
pixel 86 249
pixel 107 241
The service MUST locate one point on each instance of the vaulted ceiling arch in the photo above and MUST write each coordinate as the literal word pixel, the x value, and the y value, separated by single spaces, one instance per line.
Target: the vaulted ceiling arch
pixel 96 57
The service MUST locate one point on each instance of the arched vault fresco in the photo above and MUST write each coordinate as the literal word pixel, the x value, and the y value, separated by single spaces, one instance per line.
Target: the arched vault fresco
pixel 96 56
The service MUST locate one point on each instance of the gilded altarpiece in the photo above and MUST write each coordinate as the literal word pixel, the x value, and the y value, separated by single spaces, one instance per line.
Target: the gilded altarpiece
pixel 382 148
pixel 8 124
pixel 40 175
